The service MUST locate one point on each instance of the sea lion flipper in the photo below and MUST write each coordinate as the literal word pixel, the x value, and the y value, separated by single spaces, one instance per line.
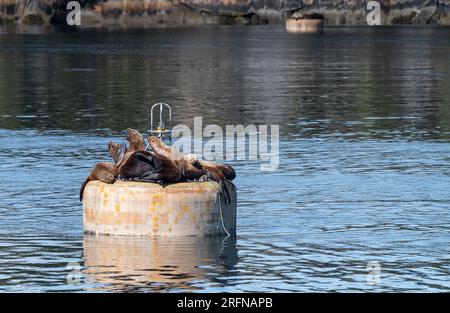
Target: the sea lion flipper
pixel 224 191
pixel 228 171
pixel 229 188
pixel 82 188
pixel 151 177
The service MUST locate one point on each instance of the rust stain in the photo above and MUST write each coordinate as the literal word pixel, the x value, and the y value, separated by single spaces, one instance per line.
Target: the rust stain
pixel 155 224
pixel 105 198
pixel 185 209
pixel 117 218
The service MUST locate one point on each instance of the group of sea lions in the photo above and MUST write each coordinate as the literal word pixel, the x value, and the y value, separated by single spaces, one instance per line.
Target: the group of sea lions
pixel 157 162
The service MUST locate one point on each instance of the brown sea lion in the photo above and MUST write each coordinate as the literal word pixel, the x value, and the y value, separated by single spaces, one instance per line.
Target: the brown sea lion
pixel 132 164
pixel 136 140
pixel 173 166
pixel 137 164
pixel 181 168
pixel 117 151
pixel 226 169
pixel 220 173
pixel 105 172
pixel 134 161
pixel 136 143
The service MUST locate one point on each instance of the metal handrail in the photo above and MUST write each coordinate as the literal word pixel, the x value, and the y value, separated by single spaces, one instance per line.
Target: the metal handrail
pixel 161 131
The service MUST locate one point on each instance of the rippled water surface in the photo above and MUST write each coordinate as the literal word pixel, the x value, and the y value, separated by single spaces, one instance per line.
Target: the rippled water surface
pixel 364 174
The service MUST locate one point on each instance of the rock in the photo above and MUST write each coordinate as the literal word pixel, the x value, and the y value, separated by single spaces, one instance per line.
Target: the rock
pixel 424 15
pixel 443 14
pixel 402 16
pixel 34 18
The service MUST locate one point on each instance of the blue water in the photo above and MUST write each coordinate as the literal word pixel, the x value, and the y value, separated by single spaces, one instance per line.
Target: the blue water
pixel 364 157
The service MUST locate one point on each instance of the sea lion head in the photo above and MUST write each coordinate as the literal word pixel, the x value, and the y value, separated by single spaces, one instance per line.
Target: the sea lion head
pixel 134 135
pixel 192 159
pixel 154 141
pixel 105 172
pixel 117 151
pixel 135 139
pixel 158 146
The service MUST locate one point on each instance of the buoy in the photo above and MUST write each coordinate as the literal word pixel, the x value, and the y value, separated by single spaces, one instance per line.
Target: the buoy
pixel 304 25
pixel 148 209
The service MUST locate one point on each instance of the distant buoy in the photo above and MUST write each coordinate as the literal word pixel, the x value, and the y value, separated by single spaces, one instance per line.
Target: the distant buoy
pixel 304 25
pixel 147 209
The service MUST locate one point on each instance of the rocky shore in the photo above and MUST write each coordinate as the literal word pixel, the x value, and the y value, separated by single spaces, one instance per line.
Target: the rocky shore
pixel 150 13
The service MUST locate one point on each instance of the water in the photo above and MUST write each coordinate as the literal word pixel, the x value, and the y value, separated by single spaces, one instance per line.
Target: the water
pixel 364 115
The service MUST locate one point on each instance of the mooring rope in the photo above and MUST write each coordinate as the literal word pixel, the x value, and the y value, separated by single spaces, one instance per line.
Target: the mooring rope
pixel 219 198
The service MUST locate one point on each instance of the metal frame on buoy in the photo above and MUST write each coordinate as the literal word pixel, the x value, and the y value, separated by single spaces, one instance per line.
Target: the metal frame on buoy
pixel 161 131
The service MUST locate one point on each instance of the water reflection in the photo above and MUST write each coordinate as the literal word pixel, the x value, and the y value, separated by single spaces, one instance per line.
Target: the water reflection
pixel 379 83
pixel 157 264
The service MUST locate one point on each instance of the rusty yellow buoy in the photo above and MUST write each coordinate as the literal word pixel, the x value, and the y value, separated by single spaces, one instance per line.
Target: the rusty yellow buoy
pixel 304 25
pixel 147 209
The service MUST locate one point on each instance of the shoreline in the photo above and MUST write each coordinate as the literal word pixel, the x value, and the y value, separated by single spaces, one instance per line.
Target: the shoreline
pixel 167 13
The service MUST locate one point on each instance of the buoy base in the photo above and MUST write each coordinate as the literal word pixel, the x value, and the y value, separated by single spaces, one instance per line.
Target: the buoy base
pixel 146 209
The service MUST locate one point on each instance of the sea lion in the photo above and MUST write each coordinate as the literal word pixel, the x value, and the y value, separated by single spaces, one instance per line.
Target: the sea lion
pixel 226 169
pixel 105 172
pixel 173 167
pixel 181 168
pixel 172 164
pixel 136 140
pixel 117 151
pixel 220 173
pixel 134 161
pixel 136 143
pixel 132 164
pixel 137 164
